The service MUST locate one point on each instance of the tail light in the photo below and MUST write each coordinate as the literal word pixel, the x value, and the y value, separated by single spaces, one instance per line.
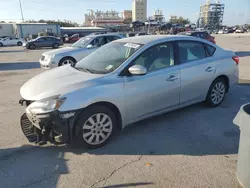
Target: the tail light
pixel 236 59
pixel 211 39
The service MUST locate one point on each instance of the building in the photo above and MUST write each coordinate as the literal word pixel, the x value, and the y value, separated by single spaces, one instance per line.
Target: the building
pixel 106 23
pixel 157 17
pixel 24 30
pixel 127 15
pixel 172 18
pixel 89 17
pixel 211 15
pixel 139 10
pixel 103 18
pixel 6 29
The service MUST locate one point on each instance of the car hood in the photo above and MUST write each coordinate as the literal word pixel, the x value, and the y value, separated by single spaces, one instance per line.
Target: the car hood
pixel 62 50
pixel 57 81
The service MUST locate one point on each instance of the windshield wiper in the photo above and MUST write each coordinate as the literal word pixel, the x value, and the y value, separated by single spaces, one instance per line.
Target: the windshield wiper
pixel 83 69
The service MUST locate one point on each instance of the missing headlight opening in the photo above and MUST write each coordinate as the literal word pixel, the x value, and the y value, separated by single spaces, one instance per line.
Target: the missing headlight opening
pixel 48 126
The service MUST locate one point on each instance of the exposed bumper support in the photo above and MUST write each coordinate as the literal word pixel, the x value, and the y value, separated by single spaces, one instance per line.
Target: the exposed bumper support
pixel 55 127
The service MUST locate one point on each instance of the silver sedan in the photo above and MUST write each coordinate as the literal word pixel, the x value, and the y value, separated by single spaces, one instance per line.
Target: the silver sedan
pixel 77 51
pixel 124 82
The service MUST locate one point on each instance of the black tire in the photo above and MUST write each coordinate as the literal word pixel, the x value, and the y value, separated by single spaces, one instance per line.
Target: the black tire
pixel 55 45
pixel 1 44
pixel 19 43
pixel 79 141
pixel 209 98
pixel 32 47
pixel 62 61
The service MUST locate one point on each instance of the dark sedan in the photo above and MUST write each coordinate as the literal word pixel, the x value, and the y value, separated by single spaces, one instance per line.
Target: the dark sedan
pixel 200 34
pixel 41 42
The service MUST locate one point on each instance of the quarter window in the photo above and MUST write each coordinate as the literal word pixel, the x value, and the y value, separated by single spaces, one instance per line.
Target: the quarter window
pixel 210 49
pixel 157 57
pixel 190 51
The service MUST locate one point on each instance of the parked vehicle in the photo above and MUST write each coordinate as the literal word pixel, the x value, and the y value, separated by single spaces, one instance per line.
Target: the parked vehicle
pixel 77 51
pixel 11 41
pixel 215 31
pixel 123 82
pixel 239 30
pixel 130 34
pixel 199 34
pixel 72 39
pixel 220 32
pixel 141 34
pixel 41 42
pixel 230 31
pixel 2 37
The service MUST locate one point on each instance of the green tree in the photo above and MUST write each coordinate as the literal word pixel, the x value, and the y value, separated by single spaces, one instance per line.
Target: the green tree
pixel 180 20
pixel 64 23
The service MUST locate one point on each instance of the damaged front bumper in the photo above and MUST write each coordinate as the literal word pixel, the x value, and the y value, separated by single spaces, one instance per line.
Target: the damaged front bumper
pixel 55 127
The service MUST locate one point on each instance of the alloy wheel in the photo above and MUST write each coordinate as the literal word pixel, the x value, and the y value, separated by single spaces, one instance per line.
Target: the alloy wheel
pixel 67 61
pixel 97 129
pixel 218 93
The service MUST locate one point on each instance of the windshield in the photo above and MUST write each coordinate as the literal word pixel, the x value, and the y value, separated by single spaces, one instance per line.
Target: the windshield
pixel 82 42
pixel 107 58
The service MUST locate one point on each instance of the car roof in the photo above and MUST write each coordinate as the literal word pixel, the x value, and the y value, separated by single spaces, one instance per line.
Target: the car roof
pixel 103 35
pixel 146 39
pixel 46 37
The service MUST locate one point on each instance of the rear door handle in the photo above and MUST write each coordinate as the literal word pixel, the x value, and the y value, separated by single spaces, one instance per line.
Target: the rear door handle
pixel 210 69
pixel 172 78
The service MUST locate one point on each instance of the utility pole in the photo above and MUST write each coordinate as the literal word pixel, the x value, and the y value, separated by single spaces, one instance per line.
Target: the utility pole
pixel 246 12
pixel 21 9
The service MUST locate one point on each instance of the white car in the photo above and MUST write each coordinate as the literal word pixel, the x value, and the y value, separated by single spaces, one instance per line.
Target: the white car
pixel 11 41
pixel 77 51
pixel 239 31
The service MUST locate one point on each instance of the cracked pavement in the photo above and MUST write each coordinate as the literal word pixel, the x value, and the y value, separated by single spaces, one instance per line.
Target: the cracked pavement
pixel 192 147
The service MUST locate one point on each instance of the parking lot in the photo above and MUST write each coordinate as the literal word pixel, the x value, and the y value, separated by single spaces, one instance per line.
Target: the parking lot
pixel 193 147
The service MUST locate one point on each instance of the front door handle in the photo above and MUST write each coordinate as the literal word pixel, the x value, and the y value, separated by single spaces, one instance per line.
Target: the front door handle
pixel 210 69
pixel 172 78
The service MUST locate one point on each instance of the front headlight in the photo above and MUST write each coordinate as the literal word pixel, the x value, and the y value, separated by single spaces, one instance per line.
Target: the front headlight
pixel 49 58
pixel 46 106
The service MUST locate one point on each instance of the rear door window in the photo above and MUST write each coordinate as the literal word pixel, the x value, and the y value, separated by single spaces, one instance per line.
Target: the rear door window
pixel 190 51
pixel 112 38
pixel 41 39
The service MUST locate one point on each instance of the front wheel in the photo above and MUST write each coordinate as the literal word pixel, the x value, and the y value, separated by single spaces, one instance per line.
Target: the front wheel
pixel 32 47
pixel 19 44
pixel 217 92
pixel 67 61
pixel 55 46
pixel 95 126
pixel 1 44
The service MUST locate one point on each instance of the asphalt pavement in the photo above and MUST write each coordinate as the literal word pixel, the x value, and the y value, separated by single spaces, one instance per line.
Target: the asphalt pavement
pixel 193 147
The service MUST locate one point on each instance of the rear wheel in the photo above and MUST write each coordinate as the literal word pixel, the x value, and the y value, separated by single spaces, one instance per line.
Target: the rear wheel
pixel 67 61
pixel 55 45
pixel 32 46
pixel 95 126
pixel 217 92
pixel 1 44
pixel 19 43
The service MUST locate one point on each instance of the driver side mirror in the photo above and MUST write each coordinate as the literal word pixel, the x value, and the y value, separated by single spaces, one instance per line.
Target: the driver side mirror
pixel 90 46
pixel 138 70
